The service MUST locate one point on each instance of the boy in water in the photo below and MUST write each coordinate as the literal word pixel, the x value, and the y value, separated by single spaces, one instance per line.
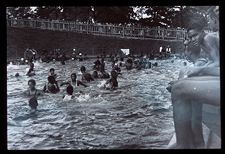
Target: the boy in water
pixel 95 75
pixel 69 95
pixel 52 73
pixel 51 86
pixel 31 70
pixel 117 69
pixel 32 93
pixel 85 76
pixel 74 82
pixel 129 63
pixel 97 64
pixel 112 82
pixel 103 74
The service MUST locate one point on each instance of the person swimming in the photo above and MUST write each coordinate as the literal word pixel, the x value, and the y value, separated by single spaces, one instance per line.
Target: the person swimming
pixel 129 64
pixel 117 69
pixel 33 93
pixel 52 73
pixel 85 76
pixel 95 75
pixel 104 75
pixel 69 93
pixel 17 75
pixel 74 82
pixel 51 86
pixel 102 66
pixel 31 71
pixel 112 83
pixel 97 64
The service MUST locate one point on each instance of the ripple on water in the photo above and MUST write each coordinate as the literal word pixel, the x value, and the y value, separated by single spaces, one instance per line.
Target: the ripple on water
pixel 137 115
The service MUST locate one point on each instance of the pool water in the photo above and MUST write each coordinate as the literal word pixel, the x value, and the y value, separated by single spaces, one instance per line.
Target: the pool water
pixel 138 115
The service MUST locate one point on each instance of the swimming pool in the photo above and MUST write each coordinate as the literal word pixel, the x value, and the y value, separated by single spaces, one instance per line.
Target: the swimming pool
pixel 136 116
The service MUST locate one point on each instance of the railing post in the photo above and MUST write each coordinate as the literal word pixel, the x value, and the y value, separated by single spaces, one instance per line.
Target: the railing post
pixel 123 31
pixel 87 28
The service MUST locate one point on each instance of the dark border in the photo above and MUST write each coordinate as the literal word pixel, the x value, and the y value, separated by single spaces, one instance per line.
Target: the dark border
pixel 3 46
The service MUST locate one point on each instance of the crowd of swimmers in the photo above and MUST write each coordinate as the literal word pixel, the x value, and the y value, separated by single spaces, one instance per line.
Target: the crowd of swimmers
pixel 99 72
pixel 118 62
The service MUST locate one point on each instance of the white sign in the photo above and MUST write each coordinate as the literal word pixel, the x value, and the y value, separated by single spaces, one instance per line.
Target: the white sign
pixel 160 49
pixel 125 51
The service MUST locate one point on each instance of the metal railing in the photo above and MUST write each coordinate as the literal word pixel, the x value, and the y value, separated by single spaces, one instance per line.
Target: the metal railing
pixel 157 33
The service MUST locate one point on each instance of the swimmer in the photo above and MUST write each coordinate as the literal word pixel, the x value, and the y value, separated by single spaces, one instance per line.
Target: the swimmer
pixel 112 83
pixel 80 57
pixel 85 76
pixel 95 75
pixel 97 64
pixel 117 69
pixel 31 71
pixel 33 93
pixel 69 95
pixel 74 82
pixel 51 86
pixel 103 74
pixel 52 73
pixel 17 75
pixel 102 65
pixel 155 64
pixel 129 64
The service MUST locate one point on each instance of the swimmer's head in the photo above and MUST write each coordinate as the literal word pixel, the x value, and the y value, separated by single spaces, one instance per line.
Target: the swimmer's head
pixel 95 74
pixel 17 74
pixel 51 79
pixel 185 63
pixel 73 76
pixel 114 74
pixel 82 69
pixel 31 83
pixel 69 90
pixel 52 70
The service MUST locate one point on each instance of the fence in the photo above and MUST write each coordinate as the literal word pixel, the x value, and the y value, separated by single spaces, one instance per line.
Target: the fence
pixel 158 33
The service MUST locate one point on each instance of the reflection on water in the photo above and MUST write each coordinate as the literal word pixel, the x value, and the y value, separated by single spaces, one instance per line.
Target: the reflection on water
pixel 136 116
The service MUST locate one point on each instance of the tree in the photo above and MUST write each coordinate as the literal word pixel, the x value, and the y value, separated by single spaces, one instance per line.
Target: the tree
pixel 115 15
pixel 77 13
pixel 189 14
pixel 163 16
pixel 20 12
pixel 157 16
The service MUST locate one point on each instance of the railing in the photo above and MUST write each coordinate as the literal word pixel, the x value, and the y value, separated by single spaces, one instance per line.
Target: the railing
pixel 158 33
